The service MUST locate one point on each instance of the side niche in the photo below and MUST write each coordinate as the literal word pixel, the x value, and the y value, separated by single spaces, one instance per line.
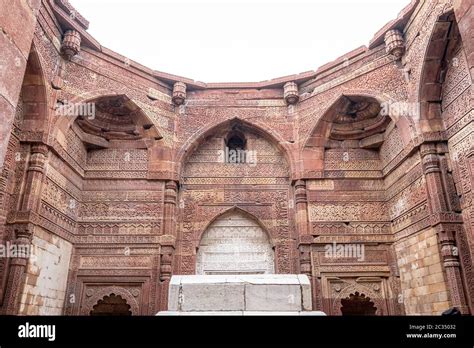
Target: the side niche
pixel 355 129
pixel 115 135
pixel 116 120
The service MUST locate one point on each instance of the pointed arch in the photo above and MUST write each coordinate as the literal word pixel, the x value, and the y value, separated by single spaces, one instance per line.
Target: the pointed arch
pixel 35 96
pixel 405 124
pixel 197 139
pixel 64 123
pixel 362 119
pixel 243 212
pixel 444 39
pixel 108 118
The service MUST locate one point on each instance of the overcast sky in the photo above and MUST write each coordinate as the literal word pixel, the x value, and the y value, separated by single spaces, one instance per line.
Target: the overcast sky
pixel 238 41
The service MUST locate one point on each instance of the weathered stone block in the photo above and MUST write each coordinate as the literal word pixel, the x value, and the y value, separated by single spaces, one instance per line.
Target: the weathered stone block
pixel 272 292
pixel 282 297
pixel 220 296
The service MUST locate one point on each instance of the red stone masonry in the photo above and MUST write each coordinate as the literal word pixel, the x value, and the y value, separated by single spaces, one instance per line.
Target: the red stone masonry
pixel 112 172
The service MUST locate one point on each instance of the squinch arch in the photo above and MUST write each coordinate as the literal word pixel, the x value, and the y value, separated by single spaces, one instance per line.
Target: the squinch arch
pixel 320 127
pixel 356 121
pixel 140 118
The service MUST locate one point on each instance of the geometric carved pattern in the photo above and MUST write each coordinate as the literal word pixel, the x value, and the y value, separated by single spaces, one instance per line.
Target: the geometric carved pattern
pixel 140 189
pixel 374 211
pixel 213 188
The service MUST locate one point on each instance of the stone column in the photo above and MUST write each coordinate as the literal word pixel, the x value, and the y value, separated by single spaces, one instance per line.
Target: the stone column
pixel 432 171
pixel 166 271
pixel 18 21
pixel 395 302
pixel 169 209
pixel 17 269
pixel 302 228
pixel 301 202
pixel 304 237
pixel 450 257
pixel 444 221
pixel 26 217
pixel 168 242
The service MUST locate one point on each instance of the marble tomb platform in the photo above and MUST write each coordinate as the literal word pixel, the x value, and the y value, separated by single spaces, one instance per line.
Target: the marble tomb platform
pixel 261 294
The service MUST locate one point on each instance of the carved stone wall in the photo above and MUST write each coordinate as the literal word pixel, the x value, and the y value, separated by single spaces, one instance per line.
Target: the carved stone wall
pixel 119 202
pixel 458 116
pixel 212 187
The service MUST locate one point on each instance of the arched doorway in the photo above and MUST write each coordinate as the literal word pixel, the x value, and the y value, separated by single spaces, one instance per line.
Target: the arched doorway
pixel 235 244
pixel 111 305
pixel 357 304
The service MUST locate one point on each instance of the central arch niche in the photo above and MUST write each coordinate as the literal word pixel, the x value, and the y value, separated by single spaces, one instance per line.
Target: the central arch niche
pixel 235 244
pixel 258 185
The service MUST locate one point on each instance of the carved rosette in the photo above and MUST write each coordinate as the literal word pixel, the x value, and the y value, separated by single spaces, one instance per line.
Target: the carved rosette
pixel 394 43
pixel 179 93
pixel 290 93
pixel 71 44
